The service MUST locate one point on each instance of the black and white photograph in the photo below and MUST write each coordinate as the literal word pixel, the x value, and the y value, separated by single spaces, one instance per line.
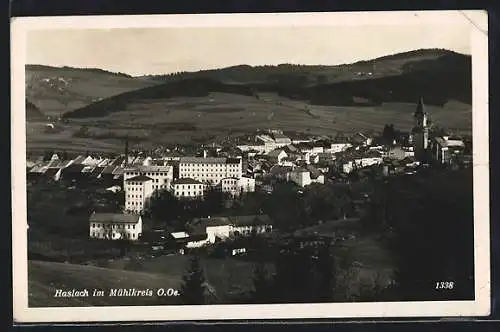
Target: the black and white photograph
pixel 250 166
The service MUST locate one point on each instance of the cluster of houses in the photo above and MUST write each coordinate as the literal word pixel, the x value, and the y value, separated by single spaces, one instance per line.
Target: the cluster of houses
pixel 238 169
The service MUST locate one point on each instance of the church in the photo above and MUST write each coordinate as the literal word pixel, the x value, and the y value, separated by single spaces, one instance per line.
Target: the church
pixel 439 148
pixel 420 132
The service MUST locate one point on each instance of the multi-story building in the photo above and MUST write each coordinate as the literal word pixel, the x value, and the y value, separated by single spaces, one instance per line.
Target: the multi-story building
pixel 188 188
pixel 138 190
pixel 210 170
pixel 161 176
pixel 115 226
pixel 235 186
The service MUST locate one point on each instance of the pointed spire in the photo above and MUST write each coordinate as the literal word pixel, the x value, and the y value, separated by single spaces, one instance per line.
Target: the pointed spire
pixel 420 107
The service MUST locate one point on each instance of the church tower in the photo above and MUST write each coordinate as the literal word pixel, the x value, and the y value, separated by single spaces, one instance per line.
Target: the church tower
pixel 420 131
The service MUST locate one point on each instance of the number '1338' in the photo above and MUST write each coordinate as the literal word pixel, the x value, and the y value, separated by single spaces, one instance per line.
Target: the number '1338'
pixel 445 285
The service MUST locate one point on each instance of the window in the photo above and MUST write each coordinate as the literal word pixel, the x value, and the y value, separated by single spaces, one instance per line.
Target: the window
pixel 93 234
pixel 128 226
pixel 93 225
pixel 133 226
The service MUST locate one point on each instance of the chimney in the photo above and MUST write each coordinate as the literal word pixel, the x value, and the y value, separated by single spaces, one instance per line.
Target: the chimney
pixel 126 151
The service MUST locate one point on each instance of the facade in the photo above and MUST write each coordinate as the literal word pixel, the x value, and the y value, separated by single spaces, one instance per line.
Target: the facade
pixel 337 147
pixel 115 226
pixel 138 190
pixel 276 156
pixel 210 170
pixel 360 163
pixel 188 188
pixel 445 148
pixel 225 227
pixel 161 176
pixel 236 186
pixel 302 177
pixel 420 132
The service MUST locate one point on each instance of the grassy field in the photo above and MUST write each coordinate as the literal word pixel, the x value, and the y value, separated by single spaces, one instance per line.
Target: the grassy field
pixel 366 264
pixel 183 120
pixel 45 277
pixel 225 276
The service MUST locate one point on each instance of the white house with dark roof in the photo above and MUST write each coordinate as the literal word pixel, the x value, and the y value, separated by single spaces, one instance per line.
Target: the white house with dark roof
pixel 138 190
pixel 225 227
pixel 115 226
pixel 188 188
pixel 445 148
pixel 303 177
pixel 276 156
pixel 210 170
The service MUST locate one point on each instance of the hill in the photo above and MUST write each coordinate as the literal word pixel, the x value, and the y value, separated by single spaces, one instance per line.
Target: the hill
pixel 33 112
pixel 311 74
pixel 56 90
pixel 439 76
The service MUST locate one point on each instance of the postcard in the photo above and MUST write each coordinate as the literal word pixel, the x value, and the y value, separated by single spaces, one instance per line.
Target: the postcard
pixel 250 166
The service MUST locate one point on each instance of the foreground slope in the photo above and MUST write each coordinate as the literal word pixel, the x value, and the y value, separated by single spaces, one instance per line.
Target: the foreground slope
pixel 44 278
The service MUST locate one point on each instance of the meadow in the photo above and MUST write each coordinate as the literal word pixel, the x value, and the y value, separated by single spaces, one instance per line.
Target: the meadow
pixel 220 115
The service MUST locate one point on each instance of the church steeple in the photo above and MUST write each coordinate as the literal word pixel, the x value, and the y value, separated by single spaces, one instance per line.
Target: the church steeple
pixel 420 111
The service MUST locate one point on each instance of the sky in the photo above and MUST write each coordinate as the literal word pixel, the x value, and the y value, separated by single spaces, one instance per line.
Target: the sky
pixel 142 51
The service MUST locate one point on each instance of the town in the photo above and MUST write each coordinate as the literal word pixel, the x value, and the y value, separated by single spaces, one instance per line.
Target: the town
pixel 229 199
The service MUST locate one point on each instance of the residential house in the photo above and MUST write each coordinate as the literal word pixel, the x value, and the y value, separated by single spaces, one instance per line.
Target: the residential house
pixel 445 148
pixel 276 156
pixel 302 177
pixel 224 227
pixel 115 226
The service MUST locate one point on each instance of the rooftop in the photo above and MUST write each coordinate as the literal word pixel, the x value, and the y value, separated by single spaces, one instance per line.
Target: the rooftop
pixel 149 168
pixel 139 178
pixel 186 181
pixel 114 218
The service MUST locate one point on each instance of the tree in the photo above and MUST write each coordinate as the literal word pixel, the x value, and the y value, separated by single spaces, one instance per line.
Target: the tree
pixel 262 287
pixel 389 133
pixel 326 274
pixel 293 281
pixel 163 207
pixel 193 290
pixel 431 215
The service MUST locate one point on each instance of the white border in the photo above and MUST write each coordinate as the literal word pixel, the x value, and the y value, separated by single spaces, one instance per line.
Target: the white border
pixel 479 42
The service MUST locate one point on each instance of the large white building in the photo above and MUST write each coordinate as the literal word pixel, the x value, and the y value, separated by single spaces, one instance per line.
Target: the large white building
pixel 188 188
pixel 139 183
pixel 115 226
pixel 161 176
pixel 138 190
pixel 210 170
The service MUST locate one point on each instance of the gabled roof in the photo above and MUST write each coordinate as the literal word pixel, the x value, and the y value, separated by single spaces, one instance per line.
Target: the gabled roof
pixel 250 220
pixel 275 153
pixel 114 218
